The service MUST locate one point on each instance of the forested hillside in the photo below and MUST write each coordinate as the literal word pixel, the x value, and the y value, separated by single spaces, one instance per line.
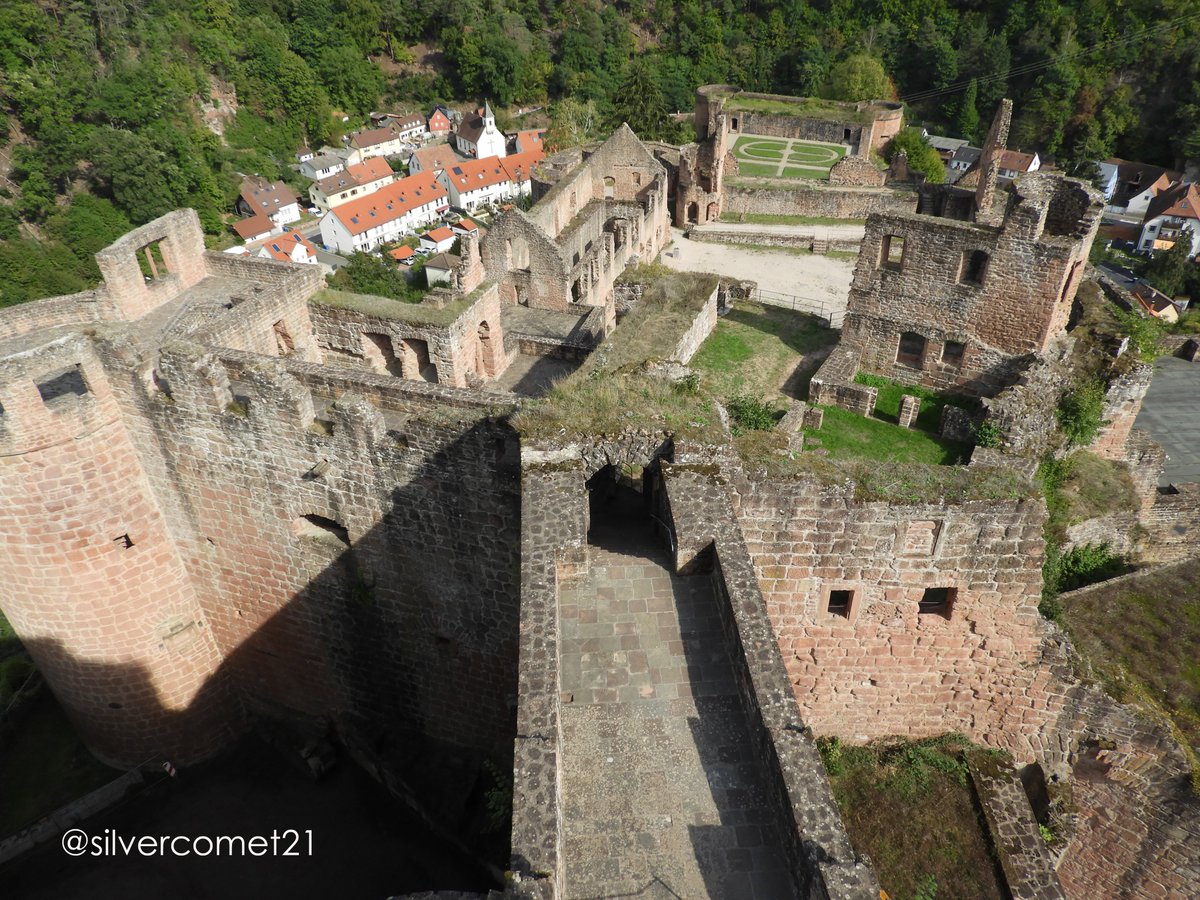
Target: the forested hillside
pixel 103 103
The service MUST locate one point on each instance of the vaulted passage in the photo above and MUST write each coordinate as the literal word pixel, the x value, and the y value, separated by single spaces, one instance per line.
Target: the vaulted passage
pixel 661 796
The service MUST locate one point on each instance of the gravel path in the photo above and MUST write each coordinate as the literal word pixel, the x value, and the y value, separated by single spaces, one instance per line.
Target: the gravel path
pixel 822 279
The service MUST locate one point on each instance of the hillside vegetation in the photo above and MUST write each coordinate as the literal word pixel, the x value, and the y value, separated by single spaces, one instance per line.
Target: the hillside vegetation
pixel 111 100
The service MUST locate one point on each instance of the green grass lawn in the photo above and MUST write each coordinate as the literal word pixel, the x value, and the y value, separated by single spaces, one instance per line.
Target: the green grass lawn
pixel 887 402
pixel 845 435
pixel 44 765
pixel 757 170
pixel 818 174
pixel 755 348
pixel 1142 639
pixel 768 219
pixel 911 808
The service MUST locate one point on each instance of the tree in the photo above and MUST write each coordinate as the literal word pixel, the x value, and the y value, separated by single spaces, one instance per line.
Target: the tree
pixel 353 82
pixel 1168 270
pixel 572 123
pixel 921 157
pixel 968 114
pixel 641 104
pixel 859 77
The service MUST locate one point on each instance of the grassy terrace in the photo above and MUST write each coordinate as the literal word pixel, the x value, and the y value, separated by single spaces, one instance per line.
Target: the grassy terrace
pixel 405 311
pixel 756 350
pixel 612 392
pixel 767 219
pixel 1141 638
pixel 803 107
pixel 770 354
pixel 911 808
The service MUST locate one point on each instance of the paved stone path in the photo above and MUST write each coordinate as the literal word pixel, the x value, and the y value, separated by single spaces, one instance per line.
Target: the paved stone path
pixel 661 797
pixel 1169 414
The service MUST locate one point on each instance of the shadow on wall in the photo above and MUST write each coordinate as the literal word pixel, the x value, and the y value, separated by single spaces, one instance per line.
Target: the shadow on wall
pixel 399 645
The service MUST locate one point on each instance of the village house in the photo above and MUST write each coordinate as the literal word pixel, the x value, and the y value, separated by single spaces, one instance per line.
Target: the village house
pixel 406 256
pixel 528 140
pixel 439 121
pixel 1173 214
pixel 1156 303
pixel 272 199
pixel 438 269
pixel 358 180
pixel 329 161
pixel 945 146
pixel 256 228
pixel 1130 186
pixel 519 167
pixel 475 183
pixel 1013 163
pixel 375 142
pixel 437 240
pixel 961 162
pixel 478 136
pixel 406 126
pixel 432 159
pixel 463 227
pixel 393 211
pixel 291 247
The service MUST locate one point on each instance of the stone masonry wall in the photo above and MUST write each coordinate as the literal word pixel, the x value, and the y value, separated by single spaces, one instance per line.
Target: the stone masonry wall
pixel 821 856
pixel 93 582
pixel 553 546
pixel 838 203
pixel 353 537
pixel 698 331
pixel 885 667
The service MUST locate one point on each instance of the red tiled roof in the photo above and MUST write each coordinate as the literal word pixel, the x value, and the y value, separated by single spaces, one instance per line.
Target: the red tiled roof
pixel 440 234
pixel 1182 200
pixel 401 253
pixel 390 202
pixel 372 136
pixel 439 157
pixel 465 225
pixel 356 175
pixel 519 165
pixel 281 247
pixel 478 173
pixel 253 227
pixel 1014 160
pixel 266 197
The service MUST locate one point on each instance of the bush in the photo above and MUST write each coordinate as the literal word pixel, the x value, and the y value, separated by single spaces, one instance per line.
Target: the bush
pixel 1145 333
pixel 1079 566
pixel 1079 413
pixel 750 414
pixel 988 434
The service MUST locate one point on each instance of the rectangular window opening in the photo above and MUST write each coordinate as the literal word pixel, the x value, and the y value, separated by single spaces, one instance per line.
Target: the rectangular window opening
pixel 840 602
pixel 974 266
pixel 891 252
pixel 65 383
pixel 937 601
pixel 911 349
pixel 952 353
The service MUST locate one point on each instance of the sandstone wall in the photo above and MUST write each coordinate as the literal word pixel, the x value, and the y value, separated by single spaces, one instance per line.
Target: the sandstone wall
pixel 352 537
pixel 839 203
pixel 93 582
pixel 885 667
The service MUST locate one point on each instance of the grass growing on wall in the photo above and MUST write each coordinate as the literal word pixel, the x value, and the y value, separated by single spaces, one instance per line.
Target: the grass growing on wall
pixel 910 807
pixel 755 348
pixel 845 434
pixel 1141 637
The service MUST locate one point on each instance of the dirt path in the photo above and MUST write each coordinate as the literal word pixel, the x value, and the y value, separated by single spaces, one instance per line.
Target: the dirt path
pixel 823 279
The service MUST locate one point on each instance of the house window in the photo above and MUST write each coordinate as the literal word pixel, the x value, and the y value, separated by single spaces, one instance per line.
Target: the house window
pixel 974 265
pixel 840 602
pixel 891 252
pixel 911 349
pixel 952 353
pixel 937 601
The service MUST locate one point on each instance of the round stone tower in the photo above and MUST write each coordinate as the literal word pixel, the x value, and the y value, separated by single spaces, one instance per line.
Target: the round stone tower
pixel 90 577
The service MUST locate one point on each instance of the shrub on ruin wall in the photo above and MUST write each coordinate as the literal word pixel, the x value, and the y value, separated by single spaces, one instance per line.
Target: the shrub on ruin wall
pixel 1080 413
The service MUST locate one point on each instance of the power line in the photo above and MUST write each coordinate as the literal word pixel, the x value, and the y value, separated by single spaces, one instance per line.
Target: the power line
pixel 1027 68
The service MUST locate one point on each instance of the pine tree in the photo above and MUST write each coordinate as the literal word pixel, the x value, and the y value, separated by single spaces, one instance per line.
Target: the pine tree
pixel 968 112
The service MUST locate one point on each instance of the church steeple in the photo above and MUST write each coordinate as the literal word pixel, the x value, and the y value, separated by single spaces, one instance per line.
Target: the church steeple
pixel 489 118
